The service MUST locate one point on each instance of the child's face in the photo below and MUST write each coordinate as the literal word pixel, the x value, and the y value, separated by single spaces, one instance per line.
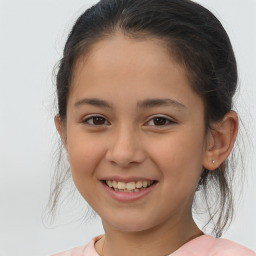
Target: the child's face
pixel 150 127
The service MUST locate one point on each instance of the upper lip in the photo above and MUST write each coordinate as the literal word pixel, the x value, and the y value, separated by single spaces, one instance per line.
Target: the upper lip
pixel 127 179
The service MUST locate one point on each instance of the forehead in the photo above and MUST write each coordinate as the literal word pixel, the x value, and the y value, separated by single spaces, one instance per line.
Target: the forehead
pixel 120 54
pixel 143 66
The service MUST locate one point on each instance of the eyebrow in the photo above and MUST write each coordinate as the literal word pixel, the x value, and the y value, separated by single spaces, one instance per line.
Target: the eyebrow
pixel 93 102
pixel 148 103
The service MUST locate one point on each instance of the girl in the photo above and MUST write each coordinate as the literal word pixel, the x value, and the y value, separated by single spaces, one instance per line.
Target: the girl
pixel 145 115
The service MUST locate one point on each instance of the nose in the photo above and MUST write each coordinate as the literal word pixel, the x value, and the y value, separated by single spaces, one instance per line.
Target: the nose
pixel 125 148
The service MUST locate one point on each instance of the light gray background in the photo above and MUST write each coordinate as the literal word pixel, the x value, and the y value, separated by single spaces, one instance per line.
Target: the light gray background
pixel 32 35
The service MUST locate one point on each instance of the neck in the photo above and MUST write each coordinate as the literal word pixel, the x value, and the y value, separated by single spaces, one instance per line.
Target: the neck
pixel 158 241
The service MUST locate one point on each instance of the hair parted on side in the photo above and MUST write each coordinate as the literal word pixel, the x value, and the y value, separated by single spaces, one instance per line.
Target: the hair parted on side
pixel 197 40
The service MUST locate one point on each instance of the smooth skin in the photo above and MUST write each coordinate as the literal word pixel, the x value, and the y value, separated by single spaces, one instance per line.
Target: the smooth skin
pixel 114 127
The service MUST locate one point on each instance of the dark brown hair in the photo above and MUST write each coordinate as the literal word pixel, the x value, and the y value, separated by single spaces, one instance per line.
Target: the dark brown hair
pixel 198 41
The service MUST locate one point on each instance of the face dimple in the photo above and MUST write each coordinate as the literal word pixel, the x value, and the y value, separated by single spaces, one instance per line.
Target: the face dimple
pixel 128 83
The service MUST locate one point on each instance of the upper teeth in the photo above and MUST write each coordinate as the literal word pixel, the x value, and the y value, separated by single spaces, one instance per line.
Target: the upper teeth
pixel 129 186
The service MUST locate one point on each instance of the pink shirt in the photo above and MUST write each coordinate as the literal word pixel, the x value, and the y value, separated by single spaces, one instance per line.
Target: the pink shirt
pixel 205 245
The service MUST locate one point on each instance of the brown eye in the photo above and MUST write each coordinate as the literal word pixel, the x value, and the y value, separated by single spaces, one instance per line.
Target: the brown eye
pixel 160 121
pixel 96 121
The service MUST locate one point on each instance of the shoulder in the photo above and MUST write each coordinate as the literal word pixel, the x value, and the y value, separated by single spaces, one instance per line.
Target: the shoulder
pixel 87 250
pixel 210 246
pixel 225 247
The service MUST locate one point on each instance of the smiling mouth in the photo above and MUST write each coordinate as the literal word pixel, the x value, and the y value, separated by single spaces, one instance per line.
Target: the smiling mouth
pixel 129 187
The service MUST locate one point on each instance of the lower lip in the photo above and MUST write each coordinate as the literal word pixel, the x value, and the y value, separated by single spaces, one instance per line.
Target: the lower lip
pixel 128 196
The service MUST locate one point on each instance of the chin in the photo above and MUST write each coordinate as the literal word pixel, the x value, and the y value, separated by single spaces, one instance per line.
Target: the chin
pixel 132 224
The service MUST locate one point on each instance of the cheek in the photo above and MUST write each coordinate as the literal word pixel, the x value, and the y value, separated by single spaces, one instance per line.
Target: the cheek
pixel 84 153
pixel 179 156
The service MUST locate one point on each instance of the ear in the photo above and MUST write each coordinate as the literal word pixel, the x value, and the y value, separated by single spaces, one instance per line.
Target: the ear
pixel 220 141
pixel 60 129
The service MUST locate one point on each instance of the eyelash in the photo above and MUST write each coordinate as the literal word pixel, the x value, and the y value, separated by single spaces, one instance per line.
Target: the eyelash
pixel 93 117
pixel 160 118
